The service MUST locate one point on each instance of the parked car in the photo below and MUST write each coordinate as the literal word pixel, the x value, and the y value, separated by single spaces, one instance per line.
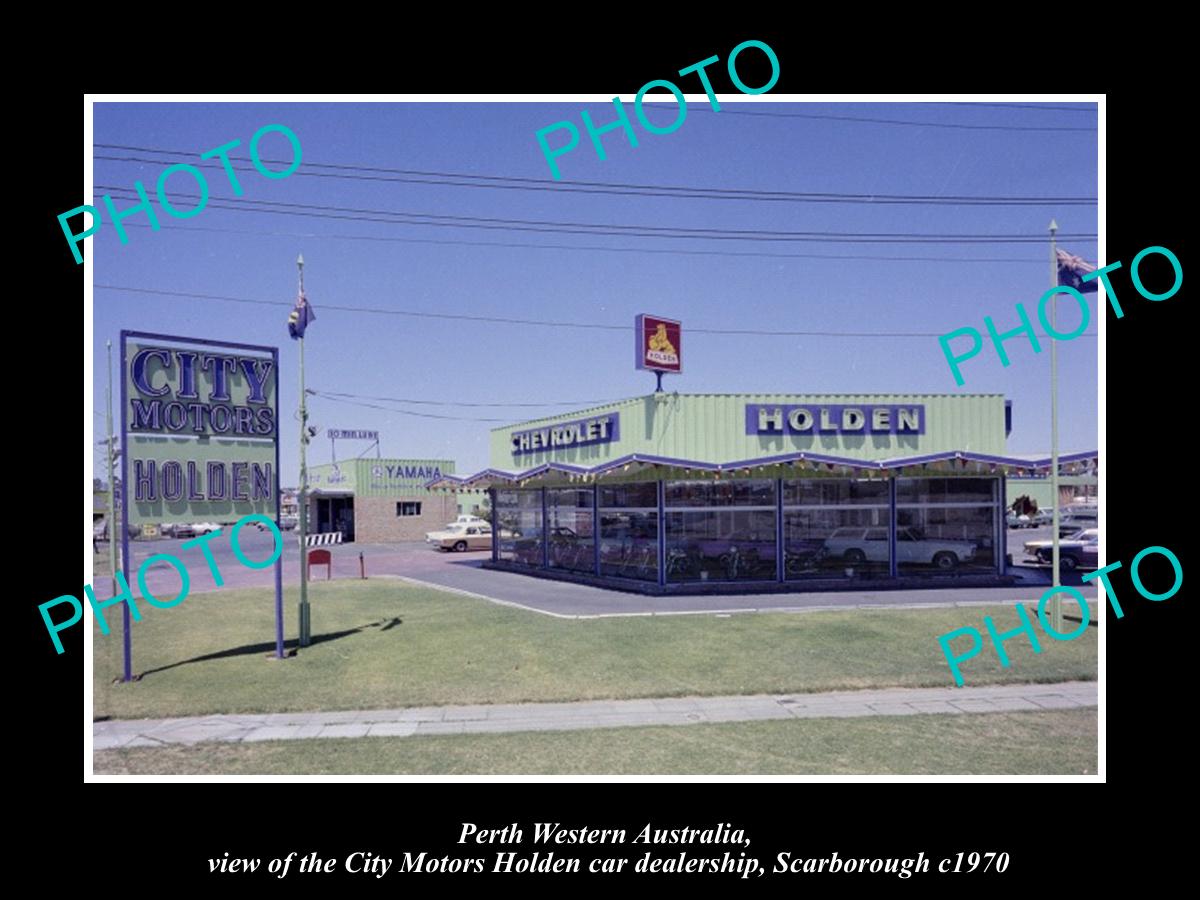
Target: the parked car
pixel 462 536
pixel 1019 521
pixel 856 546
pixel 205 527
pixel 1044 517
pixel 1080 551
pixel 178 530
pixel 286 523
pixel 1032 547
pixel 1077 518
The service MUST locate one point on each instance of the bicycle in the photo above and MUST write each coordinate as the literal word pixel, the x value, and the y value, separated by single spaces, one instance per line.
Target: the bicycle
pixel 682 563
pixel 644 561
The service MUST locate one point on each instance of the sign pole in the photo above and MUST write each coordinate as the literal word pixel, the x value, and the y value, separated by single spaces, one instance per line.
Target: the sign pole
pixel 305 635
pixel 127 674
pixel 1056 604
pixel 112 492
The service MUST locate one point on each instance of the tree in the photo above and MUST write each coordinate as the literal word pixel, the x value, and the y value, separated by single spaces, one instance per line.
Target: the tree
pixel 1024 506
pixel 485 511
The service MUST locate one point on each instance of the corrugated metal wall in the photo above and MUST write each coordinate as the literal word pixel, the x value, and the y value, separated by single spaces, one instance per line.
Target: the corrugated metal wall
pixel 711 428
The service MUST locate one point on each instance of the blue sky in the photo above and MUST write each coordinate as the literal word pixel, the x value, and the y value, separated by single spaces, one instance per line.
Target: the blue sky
pixel 251 254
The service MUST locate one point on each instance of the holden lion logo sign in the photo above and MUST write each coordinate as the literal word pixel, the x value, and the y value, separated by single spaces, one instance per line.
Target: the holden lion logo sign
pixel 658 344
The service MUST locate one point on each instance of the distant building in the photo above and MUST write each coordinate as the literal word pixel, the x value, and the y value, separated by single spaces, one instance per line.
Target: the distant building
pixel 382 500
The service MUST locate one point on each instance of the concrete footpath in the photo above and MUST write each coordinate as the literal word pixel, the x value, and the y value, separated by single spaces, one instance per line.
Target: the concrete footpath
pixel 491 719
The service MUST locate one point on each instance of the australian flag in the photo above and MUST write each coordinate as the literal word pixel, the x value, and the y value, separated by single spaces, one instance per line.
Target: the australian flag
pixel 303 313
pixel 1071 270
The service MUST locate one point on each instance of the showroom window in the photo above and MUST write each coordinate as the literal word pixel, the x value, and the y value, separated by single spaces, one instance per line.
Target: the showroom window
pixel 721 530
pixel 946 525
pixel 629 530
pixel 519 520
pixel 570 530
pixel 835 528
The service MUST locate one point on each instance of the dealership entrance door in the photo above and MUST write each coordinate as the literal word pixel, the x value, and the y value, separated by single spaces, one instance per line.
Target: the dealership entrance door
pixel 336 514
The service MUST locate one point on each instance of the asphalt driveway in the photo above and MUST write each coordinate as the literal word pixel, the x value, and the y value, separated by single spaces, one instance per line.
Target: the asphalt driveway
pixel 462 572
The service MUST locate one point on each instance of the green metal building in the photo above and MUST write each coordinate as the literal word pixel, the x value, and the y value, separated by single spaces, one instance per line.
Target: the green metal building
pixel 757 491
pixel 383 500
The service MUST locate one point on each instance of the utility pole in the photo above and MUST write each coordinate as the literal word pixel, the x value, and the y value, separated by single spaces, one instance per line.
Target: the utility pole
pixel 305 622
pixel 1056 601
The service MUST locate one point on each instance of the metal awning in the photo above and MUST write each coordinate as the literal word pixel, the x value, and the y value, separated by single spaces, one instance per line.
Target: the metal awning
pixel 962 461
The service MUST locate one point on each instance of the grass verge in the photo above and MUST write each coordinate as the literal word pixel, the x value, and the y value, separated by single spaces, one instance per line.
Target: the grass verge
pixel 384 644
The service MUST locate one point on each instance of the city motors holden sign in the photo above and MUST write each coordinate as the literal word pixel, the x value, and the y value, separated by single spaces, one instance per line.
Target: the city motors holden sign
pixel 199 422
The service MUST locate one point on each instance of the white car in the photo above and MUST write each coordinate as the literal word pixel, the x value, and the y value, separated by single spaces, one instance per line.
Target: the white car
pixel 1021 521
pixel 1043 516
pixel 462 536
pixel 1077 518
pixel 858 545
pixel 205 527
pixel 470 520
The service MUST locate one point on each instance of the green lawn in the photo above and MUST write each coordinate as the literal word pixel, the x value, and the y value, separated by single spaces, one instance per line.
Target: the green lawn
pixel 1052 742
pixel 383 643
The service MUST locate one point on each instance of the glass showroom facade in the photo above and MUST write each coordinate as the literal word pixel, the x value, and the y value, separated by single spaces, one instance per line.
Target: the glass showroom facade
pixel 756 529
pixel 681 491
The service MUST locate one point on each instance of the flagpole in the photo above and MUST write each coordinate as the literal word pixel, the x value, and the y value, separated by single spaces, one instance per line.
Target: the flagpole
pixel 305 635
pixel 1056 601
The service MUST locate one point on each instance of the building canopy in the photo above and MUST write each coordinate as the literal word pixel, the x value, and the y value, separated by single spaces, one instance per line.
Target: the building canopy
pixel 956 461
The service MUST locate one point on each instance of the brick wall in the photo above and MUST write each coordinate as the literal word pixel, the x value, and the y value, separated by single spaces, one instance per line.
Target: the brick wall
pixel 375 519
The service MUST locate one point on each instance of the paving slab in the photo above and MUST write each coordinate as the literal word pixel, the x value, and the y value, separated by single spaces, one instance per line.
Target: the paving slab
pixel 1053 701
pixel 894 709
pixel 272 733
pixel 970 705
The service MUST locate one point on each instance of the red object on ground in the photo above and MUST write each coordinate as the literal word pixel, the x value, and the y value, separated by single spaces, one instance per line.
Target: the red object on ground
pixel 321 558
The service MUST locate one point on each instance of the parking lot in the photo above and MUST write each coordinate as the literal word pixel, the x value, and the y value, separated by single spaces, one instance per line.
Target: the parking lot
pixel 462 573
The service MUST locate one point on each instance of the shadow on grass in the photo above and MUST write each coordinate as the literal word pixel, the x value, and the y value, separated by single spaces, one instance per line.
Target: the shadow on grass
pixel 268 646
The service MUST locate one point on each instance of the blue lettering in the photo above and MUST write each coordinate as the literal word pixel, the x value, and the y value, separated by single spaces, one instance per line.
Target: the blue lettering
pixel 145 415
pixel 262 481
pixel 138 371
pixel 255 379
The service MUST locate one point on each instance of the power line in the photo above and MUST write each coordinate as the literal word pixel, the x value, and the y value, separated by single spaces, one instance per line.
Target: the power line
pixel 538 322
pixel 1077 109
pixel 464 243
pixel 464 403
pixel 359 214
pixel 507 182
pixel 407 412
pixel 871 120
